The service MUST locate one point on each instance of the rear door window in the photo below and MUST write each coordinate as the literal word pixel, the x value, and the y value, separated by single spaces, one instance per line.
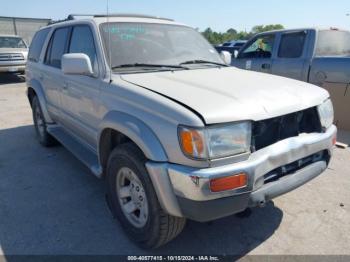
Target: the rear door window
pixel 37 45
pixel 57 47
pixel 292 45
pixel 333 43
pixel 260 47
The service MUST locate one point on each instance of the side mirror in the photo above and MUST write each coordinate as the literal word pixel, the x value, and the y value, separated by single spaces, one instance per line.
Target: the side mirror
pixel 226 56
pixel 235 53
pixel 76 64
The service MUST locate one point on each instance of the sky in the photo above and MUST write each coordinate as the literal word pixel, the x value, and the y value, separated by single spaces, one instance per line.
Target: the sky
pixel 219 15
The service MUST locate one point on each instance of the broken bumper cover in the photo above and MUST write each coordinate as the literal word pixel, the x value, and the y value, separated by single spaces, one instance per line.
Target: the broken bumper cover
pixel 213 209
pixel 185 191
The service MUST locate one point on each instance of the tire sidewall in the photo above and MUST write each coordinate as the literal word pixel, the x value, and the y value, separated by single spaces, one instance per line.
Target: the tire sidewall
pixel 36 106
pixel 118 160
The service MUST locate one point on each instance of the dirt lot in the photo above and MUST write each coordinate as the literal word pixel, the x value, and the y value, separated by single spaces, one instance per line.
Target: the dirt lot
pixel 51 204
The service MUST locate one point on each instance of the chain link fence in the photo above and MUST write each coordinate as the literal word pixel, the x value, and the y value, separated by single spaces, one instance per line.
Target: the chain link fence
pixel 24 27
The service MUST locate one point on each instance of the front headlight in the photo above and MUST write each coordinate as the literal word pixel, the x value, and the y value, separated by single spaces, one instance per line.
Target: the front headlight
pixel 326 113
pixel 216 141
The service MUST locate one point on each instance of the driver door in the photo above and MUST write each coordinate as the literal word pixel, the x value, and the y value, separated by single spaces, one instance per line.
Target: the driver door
pixel 80 93
pixel 257 54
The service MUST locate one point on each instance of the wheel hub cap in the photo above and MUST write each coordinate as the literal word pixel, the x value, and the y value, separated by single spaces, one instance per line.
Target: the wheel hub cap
pixel 39 121
pixel 132 197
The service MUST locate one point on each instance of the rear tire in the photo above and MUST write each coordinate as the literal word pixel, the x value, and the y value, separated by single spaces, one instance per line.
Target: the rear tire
pixel 40 125
pixel 125 171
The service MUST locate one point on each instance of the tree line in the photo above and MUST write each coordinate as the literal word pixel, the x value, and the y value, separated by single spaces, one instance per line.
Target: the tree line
pixel 216 38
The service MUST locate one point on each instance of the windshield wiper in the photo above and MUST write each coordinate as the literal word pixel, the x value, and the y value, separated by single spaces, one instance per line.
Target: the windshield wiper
pixel 202 62
pixel 149 65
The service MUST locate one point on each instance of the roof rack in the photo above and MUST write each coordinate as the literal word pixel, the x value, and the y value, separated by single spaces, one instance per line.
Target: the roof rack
pixel 69 18
pixel 72 16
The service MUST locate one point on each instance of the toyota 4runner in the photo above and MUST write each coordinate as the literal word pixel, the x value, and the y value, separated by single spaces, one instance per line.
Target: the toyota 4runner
pixel 149 105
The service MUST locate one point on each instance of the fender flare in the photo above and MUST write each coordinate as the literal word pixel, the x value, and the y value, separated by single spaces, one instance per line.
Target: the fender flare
pixel 135 129
pixel 36 86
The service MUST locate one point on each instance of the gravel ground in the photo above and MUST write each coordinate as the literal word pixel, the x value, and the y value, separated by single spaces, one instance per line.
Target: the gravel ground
pixel 51 204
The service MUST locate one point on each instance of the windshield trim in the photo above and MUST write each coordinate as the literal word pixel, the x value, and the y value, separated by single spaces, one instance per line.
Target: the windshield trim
pixel 156 70
pixel 203 62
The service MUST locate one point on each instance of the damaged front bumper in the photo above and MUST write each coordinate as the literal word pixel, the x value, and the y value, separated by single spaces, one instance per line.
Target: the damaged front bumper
pixel 272 171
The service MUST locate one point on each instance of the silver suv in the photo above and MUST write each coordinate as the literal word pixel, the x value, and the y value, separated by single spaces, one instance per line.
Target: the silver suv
pixel 149 105
pixel 13 54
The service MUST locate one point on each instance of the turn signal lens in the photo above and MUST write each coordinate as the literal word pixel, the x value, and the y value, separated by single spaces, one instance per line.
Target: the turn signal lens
pixel 192 142
pixel 228 183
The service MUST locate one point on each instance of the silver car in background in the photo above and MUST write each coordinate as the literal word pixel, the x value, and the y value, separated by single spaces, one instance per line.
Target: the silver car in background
pixel 13 54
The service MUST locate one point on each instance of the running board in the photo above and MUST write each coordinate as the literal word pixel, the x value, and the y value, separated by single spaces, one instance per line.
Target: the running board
pixel 80 151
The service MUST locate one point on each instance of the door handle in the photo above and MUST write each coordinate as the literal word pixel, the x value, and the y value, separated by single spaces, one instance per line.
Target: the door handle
pixel 65 86
pixel 41 76
pixel 266 66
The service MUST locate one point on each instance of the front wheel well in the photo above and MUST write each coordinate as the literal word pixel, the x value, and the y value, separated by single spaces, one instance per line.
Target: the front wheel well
pixel 109 140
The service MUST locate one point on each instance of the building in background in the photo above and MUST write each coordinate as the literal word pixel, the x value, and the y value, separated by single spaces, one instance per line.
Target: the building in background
pixel 24 27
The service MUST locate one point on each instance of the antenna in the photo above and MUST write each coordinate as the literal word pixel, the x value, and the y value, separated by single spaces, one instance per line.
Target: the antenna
pixel 109 45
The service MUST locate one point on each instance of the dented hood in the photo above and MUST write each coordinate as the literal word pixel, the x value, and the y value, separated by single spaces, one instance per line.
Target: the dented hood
pixel 229 94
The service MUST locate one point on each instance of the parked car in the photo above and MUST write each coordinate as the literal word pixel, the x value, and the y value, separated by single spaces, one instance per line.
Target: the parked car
pixel 13 54
pixel 149 105
pixel 232 46
pixel 317 56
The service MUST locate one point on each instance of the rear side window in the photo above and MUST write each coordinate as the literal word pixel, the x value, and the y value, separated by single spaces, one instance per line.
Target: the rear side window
pixel 292 45
pixel 57 47
pixel 333 43
pixel 82 41
pixel 37 45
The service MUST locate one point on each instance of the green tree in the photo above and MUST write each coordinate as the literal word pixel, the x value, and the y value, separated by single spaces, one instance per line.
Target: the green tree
pixel 263 28
pixel 216 38
pixel 232 31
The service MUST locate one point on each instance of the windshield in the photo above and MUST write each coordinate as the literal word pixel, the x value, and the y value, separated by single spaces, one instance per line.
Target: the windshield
pixel 157 44
pixel 11 42
pixel 333 43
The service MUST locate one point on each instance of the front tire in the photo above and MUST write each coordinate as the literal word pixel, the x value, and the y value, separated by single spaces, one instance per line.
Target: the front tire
pixel 133 201
pixel 40 125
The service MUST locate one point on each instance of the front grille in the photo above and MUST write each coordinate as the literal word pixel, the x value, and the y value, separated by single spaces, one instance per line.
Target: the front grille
pixel 273 130
pixel 291 168
pixel 11 57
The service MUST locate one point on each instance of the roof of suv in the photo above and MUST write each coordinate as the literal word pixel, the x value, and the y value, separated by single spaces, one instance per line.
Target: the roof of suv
pixel 131 18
